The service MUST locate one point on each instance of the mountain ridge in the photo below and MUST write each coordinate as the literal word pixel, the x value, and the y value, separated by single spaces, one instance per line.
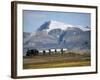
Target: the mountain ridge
pixel 49 25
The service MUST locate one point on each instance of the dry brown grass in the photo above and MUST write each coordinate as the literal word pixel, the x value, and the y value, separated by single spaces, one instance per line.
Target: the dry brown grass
pixel 68 59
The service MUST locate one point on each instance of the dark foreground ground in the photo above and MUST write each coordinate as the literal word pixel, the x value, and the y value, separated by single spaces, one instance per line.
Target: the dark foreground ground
pixel 67 59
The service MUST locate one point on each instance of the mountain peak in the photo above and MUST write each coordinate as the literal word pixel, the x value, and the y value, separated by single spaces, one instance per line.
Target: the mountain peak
pixel 57 25
pixel 53 24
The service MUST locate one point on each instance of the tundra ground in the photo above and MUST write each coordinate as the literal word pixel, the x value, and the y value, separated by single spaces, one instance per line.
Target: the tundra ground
pixel 55 60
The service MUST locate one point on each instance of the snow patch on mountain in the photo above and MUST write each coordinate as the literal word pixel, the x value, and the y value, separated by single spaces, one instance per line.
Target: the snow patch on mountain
pixel 58 25
pixel 52 24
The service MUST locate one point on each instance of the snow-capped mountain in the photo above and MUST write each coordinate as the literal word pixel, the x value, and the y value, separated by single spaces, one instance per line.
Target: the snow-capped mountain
pixel 55 34
pixel 50 25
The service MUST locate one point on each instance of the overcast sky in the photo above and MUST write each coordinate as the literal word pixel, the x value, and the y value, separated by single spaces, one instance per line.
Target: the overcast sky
pixel 32 20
